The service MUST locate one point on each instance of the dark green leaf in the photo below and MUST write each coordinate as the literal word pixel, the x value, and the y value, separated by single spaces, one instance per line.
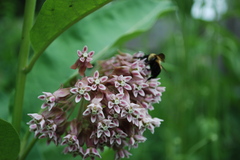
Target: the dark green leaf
pixel 56 16
pixel 10 143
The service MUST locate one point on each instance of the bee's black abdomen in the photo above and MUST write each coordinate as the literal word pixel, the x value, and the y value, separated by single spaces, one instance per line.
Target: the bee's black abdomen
pixel 155 70
pixel 154 61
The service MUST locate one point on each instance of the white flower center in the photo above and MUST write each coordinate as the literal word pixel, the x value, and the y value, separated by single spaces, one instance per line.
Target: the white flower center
pixel 97 81
pixel 139 87
pixel 116 101
pixel 81 91
pixel 85 54
pixel 130 110
pixel 105 127
pixel 122 83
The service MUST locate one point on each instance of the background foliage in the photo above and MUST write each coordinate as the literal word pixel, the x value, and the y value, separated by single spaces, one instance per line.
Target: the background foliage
pixel 200 107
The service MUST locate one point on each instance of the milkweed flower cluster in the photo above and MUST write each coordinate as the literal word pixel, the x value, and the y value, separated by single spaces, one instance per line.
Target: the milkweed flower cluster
pixel 112 107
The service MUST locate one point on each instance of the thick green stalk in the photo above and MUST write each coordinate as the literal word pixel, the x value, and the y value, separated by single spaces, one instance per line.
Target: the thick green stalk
pixel 22 63
pixel 28 149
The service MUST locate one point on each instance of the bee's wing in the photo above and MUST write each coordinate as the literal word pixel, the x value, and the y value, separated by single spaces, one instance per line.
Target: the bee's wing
pixel 162 56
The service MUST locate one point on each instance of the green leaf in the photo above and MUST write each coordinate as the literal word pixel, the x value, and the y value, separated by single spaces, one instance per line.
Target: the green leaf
pixel 56 16
pixel 115 24
pixel 10 142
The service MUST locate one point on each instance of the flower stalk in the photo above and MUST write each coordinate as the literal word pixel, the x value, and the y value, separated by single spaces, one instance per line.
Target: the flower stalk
pixel 22 63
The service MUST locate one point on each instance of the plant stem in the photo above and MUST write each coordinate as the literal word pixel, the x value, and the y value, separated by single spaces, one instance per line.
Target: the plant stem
pixel 22 63
pixel 29 147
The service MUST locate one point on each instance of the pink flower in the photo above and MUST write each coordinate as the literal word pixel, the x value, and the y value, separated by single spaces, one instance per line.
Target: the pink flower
pixel 131 111
pixel 97 82
pixel 84 56
pixel 151 123
pixel 84 60
pixel 121 82
pixel 103 128
pixel 122 153
pixel 37 122
pixel 137 139
pixel 49 98
pixel 72 142
pixel 46 124
pixel 52 98
pixel 81 90
pixel 137 69
pixel 116 102
pixel 95 111
pixel 138 88
pixel 91 152
pixel 117 136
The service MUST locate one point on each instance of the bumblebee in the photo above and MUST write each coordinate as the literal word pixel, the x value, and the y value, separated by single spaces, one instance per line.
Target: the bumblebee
pixel 155 63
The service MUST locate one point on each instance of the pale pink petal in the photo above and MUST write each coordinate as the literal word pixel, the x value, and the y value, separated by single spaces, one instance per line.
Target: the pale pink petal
pixel 144 85
pixel 79 53
pixel 82 59
pixel 99 133
pixel 142 93
pixel 36 116
pixel 135 64
pixel 135 93
pixel 51 105
pixel 103 79
pixel 93 118
pixel 91 53
pixel 132 141
pixel 85 48
pixel 124 113
pixel 90 80
pixel 96 74
pixel 127 78
pixel 123 103
pixel 88 60
pixel 95 152
pixel 44 105
pixel 87 96
pixel 128 87
pixel 48 94
pixel 129 118
pixel 117 84
pixel 107 133
pixel 111 140
pixel 87 112
pixel 137 74
pixel 88 88
pixel 102 87
pixel 78 98
pixel 94 87
pixel 33 126
pixel 74 90
pixel 110 104
pixel 120 89
pixel 117 108
pixel 119 95
pixel 42 97
pixel 101 115
pixel 52 99
pixel 140 138
pixel 118 141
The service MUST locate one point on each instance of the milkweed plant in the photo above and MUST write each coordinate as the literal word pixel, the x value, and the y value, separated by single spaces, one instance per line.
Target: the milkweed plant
pixel 112 107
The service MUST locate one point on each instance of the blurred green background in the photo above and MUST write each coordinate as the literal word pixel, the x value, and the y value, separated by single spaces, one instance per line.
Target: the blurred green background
pixel 200 107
